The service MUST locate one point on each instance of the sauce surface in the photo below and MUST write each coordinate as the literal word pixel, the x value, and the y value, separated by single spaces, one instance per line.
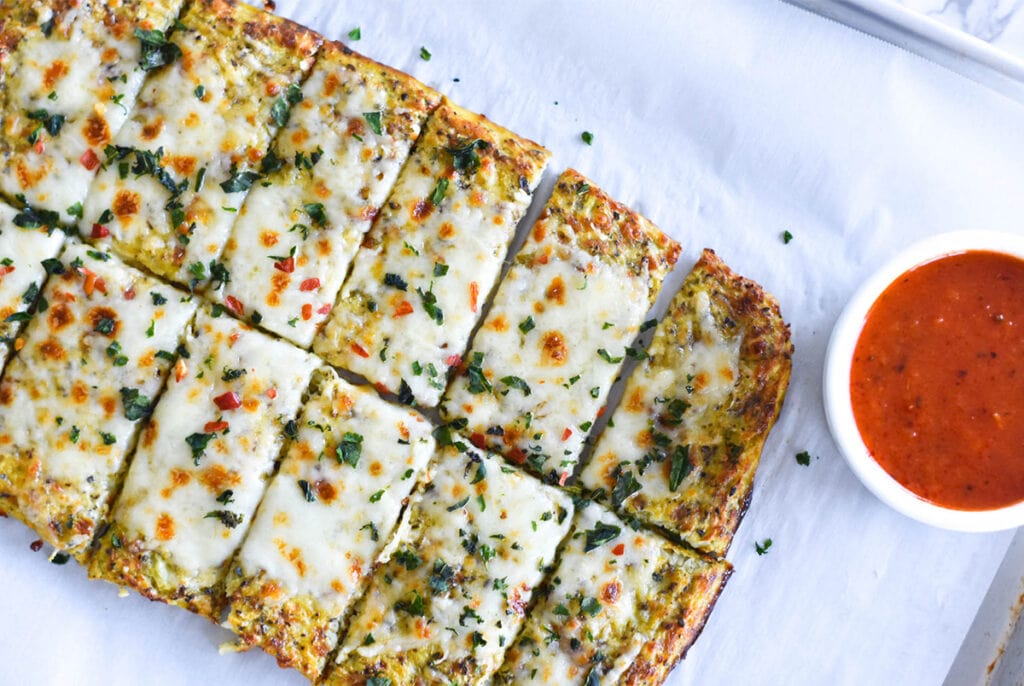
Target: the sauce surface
pixel 937 381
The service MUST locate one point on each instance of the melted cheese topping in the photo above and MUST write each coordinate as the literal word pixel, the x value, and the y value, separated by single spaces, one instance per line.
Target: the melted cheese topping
pixel 298 231
pixel 318 532
pixel 201 125
pixel 91 368
pixel 618 590
pixel 85 71
pixel 425 270
pixel 21 272
pixel 217 428
pixel 673 402
pixel 460 576
pixel 554 339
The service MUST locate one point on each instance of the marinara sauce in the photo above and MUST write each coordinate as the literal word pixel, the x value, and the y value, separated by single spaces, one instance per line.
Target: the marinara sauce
pixel 937 382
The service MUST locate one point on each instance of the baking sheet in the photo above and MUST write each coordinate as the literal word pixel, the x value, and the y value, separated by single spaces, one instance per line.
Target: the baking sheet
pixel 726 122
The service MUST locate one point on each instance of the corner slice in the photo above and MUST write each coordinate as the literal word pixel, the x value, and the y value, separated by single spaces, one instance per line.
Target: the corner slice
pixel 433 255
pixel 26 241
pixel 70 78
pixel 74 398
pixel 333 166
pixel 622 607
pixel 554 340
pixel 176 174
pixel 324 520
pixel 683 446
pixel 454 592
pixel 202 464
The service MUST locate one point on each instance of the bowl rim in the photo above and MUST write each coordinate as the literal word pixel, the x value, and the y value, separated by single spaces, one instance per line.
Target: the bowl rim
pixel 836 383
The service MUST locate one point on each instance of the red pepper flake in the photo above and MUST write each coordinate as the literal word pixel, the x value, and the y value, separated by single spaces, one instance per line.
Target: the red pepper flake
pixel 403 309
pixel 228 401
pixel 39 146
pixel 234 337
pixel 180 370
pixel 287 265
pixel 566 434
pixel 129 294
pixel 271 393
pixel 619 549
pixel 215 427
pixel 474 293
pixel 307 312
pixel 235 305
pixel 601 411
pixel 89 160
pixel 35 546
pixel 454 360
pixel 517 455
pixel 4 271
pixel 99 231
pixel 310 284
pixel 359 350
pixel 101 285
pixel 324 309
pixel 563 478
pixel 478 440
pixel 381 388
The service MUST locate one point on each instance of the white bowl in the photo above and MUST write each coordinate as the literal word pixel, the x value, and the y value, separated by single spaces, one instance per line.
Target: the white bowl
pixel 838 406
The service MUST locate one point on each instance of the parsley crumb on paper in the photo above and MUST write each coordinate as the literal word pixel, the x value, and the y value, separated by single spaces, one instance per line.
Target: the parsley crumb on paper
pixel 355 34
pixel 786 237
pixel 587 137
pixel 803 458
pixel 762 548
pixel 425 54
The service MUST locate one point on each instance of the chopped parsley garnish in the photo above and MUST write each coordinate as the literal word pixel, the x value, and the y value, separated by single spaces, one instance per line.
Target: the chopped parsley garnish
pixel 440 188
pixel 527 325
pixel 440 269
pixel 350 448
pixel 413 607
pixel 198 442
pixel 395 281
pixel 52 265
pixel 376 680
pixel 315 210
pixel 136 405
pixel 108 438
pixel 425 54
pixel 441 577
pixel 231 374
pixel 478 383
pixel 762 548
pixel 625 486
pixel 355 34
pixel 75 433
pixel 32 218
pixel 373 119
pixel 458 505
pixel 75 210
pixel 408 559
pixel 374 534
pixel 601 533
pixel 377 496
pixel 156 49
pixel 464 157
pixel 239 181
pixel 281 110
pixel 104 326
pixel 60 559
pixel 608 358
pixel 649 324
pixel 226 497
pixel 681 467
pixel 517 383
pixel 291 429
pixel 587 137
pixel 200 91
pixel 307 491
pixel 430 305
pixel 803 458
pixel 226 517
pixel 786 237
pixel 51 122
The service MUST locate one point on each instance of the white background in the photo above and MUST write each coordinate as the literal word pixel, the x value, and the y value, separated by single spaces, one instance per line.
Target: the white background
pixel 726 122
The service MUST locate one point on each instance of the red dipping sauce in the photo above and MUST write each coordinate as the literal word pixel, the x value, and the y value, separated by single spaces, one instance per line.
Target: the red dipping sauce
pixel 937 381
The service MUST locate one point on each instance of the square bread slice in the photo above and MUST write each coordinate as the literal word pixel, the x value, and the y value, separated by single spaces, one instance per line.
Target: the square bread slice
pixel 452 595
pixel 202 463
pixel 561 324
pixel 176 174
pixel 622 607
pixel 433 255
pixel 71 72
pixel 326 517
pixel 685 441
pixel 333 166
pixel 27 247
pixel 74 398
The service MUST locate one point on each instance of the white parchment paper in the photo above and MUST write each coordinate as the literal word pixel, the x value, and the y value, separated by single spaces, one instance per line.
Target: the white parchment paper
pixel 726 122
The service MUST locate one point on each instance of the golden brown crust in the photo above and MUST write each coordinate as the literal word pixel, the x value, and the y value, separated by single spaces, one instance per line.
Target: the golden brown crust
pixel 229 17
pixel 128 562
pixel 659 656
pixel 294 630
pixel 607 229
